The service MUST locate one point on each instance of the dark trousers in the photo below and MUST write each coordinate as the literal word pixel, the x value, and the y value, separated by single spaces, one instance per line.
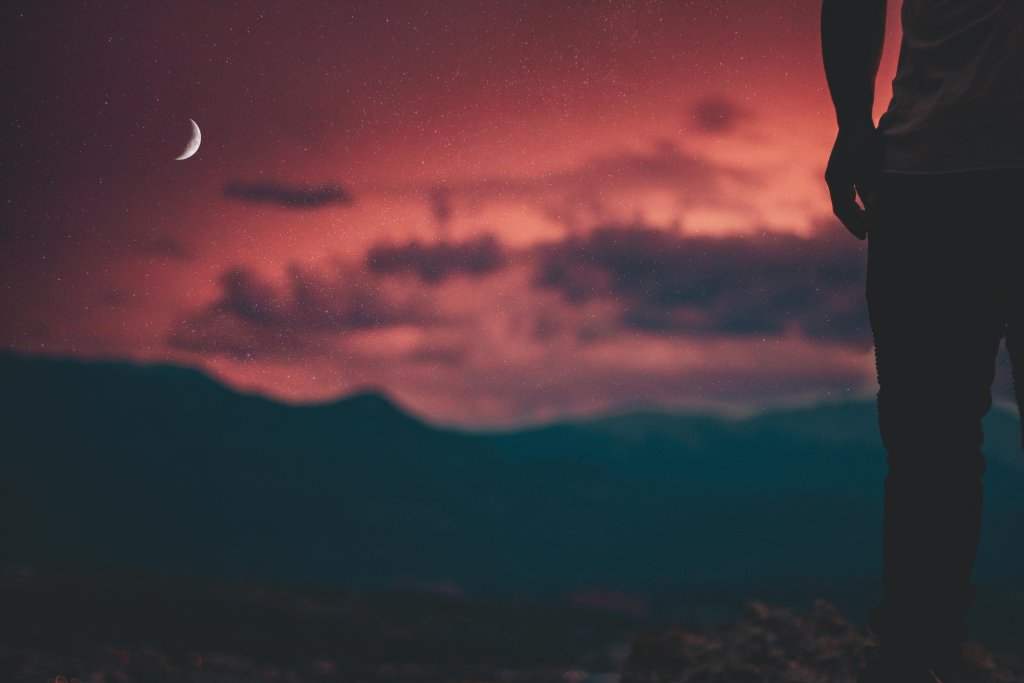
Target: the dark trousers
pixel 945 284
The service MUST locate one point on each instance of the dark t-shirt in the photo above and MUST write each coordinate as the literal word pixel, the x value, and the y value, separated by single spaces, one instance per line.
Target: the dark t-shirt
pixel 958 94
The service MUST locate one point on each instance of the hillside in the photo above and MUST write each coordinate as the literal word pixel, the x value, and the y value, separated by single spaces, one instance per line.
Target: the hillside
pixel 127 466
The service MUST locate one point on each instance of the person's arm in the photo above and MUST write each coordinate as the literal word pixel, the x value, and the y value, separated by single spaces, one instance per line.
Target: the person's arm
pixel 852 36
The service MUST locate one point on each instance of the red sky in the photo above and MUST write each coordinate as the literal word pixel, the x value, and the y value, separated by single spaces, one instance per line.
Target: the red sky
pixel 498 212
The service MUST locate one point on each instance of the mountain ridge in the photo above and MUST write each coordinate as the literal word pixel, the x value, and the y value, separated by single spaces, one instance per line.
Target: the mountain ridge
pixel 161 469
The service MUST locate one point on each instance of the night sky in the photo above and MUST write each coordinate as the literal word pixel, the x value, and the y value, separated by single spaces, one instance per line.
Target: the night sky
pixel 498 212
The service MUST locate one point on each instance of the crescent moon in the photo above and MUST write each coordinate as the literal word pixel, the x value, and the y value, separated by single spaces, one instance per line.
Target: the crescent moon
pixel 193 144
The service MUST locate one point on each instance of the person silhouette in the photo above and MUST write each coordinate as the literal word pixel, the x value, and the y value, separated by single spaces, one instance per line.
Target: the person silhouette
pixel 938 179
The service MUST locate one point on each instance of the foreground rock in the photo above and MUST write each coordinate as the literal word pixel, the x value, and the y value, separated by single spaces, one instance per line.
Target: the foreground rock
pixel 82 627
pixel 777 645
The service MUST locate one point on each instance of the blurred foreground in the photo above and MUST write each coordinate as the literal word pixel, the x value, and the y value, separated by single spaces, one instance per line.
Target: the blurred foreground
pixel 153 628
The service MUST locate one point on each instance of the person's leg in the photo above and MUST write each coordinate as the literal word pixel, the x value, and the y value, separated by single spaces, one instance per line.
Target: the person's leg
pixel 936 322
pixel 1015 346
pixel 1013 286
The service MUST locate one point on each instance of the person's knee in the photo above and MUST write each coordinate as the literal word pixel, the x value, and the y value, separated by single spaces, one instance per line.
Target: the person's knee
pixel 932 415
pixel 931 443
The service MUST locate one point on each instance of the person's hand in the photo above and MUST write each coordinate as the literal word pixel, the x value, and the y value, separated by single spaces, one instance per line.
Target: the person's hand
pixel 853 168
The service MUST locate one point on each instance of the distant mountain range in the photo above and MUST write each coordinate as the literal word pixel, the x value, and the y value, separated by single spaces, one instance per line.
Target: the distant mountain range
pixel 157 466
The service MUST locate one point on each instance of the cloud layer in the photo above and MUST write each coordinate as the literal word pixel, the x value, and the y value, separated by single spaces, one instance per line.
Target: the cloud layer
pixel 256 317
pixel 737 285
pixel 616 280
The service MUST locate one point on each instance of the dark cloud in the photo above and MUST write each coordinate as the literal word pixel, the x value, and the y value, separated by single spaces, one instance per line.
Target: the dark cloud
pixel 288 196
pixel 717 114
pixel 436 262
pixel 256 316
pixel 639 278
pixel 346 299
pixel 163 246
pixel 737 285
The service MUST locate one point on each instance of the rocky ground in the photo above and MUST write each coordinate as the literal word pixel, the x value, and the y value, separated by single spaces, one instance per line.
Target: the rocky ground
pixel 66 628
pixel 777 645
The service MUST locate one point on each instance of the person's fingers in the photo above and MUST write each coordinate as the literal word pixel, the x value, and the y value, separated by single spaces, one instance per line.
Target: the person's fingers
pixel 841 192
pixel 844 206
pixel 854 219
